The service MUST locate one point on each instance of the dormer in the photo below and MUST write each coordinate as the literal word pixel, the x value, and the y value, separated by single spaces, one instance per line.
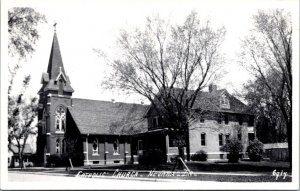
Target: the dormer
pixel 224 101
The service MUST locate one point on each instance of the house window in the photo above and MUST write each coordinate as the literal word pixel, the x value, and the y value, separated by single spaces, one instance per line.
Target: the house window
pixel 219 120
pixel 60 119
pixel 220 139
pixel 239 135
pixel 202 119
pixel 226 119
pixel 159 121
pixel 203 139
pixel 251 137
pixel 57 146
pixel 154 122
pixel 95 147
pixel 140 145
pixel 116 146
pixel 227 137
pixel 251 121
pixel 240 120
pixel 224 102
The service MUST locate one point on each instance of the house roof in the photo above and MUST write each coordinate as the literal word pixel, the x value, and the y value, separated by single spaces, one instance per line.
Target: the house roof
pixel 104 117
pixel 210 101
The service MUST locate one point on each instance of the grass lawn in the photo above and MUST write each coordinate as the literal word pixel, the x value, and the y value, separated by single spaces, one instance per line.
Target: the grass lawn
pixel 263 166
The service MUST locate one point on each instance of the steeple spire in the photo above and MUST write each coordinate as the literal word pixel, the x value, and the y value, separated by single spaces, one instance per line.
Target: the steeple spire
pixel 55 61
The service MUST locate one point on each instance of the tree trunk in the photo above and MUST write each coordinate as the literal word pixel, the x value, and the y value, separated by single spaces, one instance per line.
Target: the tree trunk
pixel 21 161
pixel 187 141
pixel 181 152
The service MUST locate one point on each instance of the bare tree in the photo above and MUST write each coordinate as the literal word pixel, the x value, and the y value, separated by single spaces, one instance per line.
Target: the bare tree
pixel 268 55
pixel 169 65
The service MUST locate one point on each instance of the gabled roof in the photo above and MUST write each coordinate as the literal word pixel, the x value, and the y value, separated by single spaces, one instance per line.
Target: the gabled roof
pixel 210 101
pixel 104 117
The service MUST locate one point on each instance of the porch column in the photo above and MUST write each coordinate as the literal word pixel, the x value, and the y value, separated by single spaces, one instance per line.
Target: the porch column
pixel 87 149
pixel 105 152
pixel 167 148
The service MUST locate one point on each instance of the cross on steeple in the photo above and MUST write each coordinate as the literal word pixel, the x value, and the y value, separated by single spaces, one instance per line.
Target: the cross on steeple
pixel 54 25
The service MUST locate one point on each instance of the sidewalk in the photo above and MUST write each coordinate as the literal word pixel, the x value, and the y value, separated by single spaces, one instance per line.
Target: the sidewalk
pixel 146 175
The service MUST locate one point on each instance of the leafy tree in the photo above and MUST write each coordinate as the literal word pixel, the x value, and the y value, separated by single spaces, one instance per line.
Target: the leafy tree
pixel 22 29
pixel 21 115
pixel 23 35
pixel 267 54
pixel 270 125
pixel 168 65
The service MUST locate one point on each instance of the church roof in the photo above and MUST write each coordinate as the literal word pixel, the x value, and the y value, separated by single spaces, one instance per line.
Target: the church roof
pixel 104 117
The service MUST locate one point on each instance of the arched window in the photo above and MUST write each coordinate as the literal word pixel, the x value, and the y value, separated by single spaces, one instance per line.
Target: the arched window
pixel 63 146
pixel 60 119
pixel 95 147
pixel 57 146
pixel 116 146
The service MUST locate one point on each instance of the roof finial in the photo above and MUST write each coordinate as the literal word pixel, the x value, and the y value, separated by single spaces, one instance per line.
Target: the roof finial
pixel 55 23
pixel 60 69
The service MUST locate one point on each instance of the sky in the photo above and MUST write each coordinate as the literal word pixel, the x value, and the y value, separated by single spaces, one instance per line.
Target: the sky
pixel 86 25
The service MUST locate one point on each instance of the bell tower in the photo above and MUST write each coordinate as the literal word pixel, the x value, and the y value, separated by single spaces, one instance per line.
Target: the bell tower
pixel 54 98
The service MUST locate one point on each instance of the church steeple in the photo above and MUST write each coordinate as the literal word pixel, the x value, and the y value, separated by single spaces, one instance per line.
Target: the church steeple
pixel 55 96
pixel 56 75
pixel 55 60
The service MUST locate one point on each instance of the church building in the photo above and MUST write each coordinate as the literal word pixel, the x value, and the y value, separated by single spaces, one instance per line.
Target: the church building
pixel 107 132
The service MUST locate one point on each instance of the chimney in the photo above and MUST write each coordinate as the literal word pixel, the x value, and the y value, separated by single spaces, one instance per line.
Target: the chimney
pixel 212 88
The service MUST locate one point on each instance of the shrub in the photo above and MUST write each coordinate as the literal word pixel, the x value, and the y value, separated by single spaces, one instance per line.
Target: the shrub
pixel 54 160
pixel 152 156
pixel 199 156
pixel 63 160
pixel 233 147
pixel 77 159
pixel 255 150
